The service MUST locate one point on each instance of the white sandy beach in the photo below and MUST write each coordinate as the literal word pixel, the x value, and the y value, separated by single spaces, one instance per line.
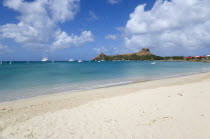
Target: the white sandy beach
pixel 173 108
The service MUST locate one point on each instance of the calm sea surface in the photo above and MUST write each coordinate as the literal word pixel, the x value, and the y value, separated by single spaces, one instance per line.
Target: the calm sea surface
pixel 22 80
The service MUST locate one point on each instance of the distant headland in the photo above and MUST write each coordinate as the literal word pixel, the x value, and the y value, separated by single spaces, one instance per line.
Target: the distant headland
pixel 146 55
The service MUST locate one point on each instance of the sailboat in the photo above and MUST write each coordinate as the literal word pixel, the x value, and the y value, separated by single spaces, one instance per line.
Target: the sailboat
pixel 44 59
pixel 10 62
pixel 1 62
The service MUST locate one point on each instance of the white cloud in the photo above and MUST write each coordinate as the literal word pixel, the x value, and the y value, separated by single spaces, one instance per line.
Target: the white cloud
pixel 113 1
pixel 62 10
pixel 92 16
pixel 26 34
pixel 111 37
pixel 38 21
pixel 174 24
pixel 100 50
pixel 63 40
pixel 34 27
pixel 110 50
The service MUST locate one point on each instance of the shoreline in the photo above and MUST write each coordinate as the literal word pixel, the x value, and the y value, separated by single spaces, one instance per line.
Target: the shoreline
pixel 17 112
pixel 105 86
pixel 113 84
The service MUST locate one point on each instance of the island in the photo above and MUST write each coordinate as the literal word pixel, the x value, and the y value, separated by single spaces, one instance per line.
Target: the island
pixel 143 55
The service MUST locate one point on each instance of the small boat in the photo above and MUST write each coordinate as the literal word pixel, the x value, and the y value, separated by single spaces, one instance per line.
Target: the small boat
pixel 154 63
pixel 103 60
pixel 44 59
pixel 80 61
pixel 71 60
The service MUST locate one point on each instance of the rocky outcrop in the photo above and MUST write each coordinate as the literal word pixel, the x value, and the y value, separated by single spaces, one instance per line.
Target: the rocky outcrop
pixel 99 57
pixel 143 52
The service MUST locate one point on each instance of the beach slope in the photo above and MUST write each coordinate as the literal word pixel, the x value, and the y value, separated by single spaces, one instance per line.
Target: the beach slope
pixel 175 108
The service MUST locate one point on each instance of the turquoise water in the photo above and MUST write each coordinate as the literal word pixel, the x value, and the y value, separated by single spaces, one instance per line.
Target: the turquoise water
pixel 22 80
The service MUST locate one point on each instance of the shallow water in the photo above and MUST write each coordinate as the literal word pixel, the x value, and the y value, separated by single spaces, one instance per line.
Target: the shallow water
pixel 22 80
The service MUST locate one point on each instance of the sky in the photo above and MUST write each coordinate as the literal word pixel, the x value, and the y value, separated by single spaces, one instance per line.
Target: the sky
pixel 82 29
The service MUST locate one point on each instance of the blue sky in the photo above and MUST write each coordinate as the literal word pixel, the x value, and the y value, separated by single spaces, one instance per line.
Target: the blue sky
pixel 60 30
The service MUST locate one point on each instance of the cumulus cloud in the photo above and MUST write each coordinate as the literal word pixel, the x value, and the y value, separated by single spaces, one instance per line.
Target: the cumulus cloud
pixel 63 10
pixel 111 37
pixel 63 40
pixel 170 25
pixel 113 1
pixel 38 21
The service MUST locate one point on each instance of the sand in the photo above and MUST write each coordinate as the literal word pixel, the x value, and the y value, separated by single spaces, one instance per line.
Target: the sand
pixel 175 108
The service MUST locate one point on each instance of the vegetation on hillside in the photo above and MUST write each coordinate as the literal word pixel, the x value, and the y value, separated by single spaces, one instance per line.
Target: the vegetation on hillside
pixel 135 57
pixel 143 55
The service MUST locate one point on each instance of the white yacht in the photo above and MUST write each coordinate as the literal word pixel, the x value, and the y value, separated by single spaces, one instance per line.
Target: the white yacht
pixel 80 61
pixel 71 60
pixel 44 59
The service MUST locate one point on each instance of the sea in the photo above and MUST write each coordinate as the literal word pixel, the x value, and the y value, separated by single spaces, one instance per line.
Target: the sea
pixel 20 80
